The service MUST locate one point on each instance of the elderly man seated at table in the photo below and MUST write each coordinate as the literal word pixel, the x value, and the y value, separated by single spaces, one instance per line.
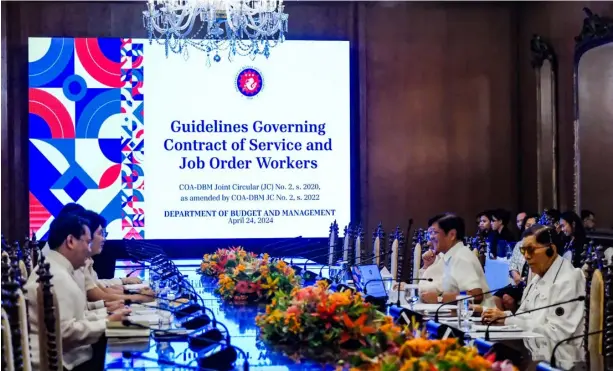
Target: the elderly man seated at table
pixel 462 271
pixel 69 243
pixel 553 280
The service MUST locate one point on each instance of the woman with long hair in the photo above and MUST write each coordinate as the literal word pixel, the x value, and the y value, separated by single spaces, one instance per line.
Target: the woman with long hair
pixel 575 237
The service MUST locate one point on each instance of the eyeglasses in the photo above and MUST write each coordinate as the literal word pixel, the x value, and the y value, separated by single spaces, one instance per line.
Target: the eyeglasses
pixel 104 233
pixel 530 249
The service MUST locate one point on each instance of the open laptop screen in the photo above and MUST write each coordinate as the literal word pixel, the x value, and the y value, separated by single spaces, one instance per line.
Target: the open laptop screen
pixel 367 279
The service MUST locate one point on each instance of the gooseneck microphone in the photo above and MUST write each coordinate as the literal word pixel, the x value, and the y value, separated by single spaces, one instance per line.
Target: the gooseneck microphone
pixel 165 362
pixel 552 362
pixel 393 280
pixel 467 298
pixel 487 329
pixel 321 269
pixel 222 358
pixel 372 256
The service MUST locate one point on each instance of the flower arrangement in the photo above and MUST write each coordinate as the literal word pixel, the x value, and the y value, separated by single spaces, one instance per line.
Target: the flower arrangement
pixel 217 263
pixel 421 354
pixel 340 325
pixel 314 317
pixel 245 277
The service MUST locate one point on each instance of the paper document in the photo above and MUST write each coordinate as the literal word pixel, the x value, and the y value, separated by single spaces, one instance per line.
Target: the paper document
pixel 136 286
pixel 127 332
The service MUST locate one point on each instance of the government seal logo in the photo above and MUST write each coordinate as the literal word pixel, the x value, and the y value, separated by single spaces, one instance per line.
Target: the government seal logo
pixel 249 82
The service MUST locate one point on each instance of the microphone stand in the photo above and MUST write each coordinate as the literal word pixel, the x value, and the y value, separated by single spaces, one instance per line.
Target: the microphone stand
pixel 487 329
pixel 323 256
pixel 128 323
pixel 553 352
pixel 165 362
pixel 466 298
pixel 398 304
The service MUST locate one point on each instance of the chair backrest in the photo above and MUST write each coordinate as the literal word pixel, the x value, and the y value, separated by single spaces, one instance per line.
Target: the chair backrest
pixel 598 308
pixel 396 242
pixel 358 244
pixel 378 246
pixel 8 363
pixel 348 243
pixel 333 244
pixel 49 329
pixel 13 302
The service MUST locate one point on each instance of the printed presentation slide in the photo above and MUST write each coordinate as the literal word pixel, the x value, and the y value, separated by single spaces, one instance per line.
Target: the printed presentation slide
pixel 172 148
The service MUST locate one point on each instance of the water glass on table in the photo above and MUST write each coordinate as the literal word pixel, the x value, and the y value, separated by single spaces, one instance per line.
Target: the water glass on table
pixel 164 320
pixel 468 309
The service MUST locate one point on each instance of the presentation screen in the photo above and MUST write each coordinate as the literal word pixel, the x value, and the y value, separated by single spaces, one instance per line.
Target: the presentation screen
pixel 171 148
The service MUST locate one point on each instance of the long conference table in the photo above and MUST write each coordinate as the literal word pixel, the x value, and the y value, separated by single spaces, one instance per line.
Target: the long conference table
pixel 147 353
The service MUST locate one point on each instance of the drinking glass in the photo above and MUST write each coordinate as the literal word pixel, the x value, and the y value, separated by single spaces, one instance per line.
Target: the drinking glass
pixel 467 313
pixel 164 320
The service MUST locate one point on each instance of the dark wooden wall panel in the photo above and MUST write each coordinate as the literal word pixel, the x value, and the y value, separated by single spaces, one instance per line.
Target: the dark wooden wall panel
pixel 559 23
pixel 440 121
pixel 437 87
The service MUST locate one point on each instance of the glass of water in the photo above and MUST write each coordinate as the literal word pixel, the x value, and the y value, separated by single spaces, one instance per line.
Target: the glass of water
pixel 164 320
pixel 467 313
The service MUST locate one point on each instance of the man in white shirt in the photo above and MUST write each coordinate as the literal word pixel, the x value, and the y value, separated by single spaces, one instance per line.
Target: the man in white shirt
pixel 462 270
pixel 69 241
pixel 554 280
pixel 433 268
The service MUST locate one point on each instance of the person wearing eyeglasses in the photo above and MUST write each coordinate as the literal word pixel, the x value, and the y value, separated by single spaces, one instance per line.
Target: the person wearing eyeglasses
pixel 69 242
pixel 462 271
pixel 100 290
pixel 433 267
pixel 553 279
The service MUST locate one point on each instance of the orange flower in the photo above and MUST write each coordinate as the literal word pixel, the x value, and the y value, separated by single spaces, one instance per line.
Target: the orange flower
pixel 356 329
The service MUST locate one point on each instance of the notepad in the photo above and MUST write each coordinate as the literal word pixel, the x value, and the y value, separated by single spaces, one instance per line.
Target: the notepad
pixel 431 307
pixel 144 319
pixel 135 286
pixel 127 332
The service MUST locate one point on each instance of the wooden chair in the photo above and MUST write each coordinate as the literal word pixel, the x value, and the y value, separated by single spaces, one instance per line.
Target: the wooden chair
pixel 49 329
pixel 348 243
pixel 598 309
pixel 378 246
pixel 333 243
pixel 396 242
pixel 8 363
pixel 359 245
pixel 14 303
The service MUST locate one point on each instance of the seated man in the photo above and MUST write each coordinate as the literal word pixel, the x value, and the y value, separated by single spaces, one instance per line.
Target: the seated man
pixel 97 292
pixel 433 265
pixel 69 241
pixel 554 279
pixel 462 270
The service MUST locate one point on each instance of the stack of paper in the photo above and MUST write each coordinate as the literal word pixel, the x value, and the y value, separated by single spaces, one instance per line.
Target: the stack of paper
pixel 127 332
pixel 136 286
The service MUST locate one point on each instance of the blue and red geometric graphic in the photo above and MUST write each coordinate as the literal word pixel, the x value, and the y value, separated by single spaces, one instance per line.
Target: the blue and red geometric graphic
pixel 86 110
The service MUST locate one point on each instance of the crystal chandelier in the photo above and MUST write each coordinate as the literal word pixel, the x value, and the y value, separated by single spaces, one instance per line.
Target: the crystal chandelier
pixel 240 27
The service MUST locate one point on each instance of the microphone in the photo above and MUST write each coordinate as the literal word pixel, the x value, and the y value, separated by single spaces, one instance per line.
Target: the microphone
pixel 466 298
pixel 393 280
pixel 326 255
pixel 372 256
pixel 276 243
pixel 165 362
pixel 553 352
pixel 487 329
pixel 225 357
